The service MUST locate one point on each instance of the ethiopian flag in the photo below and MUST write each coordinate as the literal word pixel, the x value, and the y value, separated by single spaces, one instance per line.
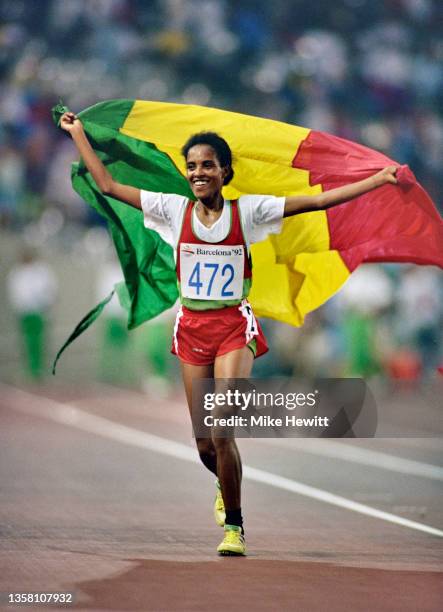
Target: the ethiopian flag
pixel 294 272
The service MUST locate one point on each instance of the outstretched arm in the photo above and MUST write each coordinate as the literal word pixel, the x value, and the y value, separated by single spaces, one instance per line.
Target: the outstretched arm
pixel 131 195
pixel 300 204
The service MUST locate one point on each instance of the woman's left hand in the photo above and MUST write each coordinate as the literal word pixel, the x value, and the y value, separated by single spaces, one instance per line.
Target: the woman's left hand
pixel 387 175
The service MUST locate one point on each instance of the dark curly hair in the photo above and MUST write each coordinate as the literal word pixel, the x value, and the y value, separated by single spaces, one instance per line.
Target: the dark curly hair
pixel 220 146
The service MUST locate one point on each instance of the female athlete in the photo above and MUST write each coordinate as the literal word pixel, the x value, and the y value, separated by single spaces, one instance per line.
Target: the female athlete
pixel 216 334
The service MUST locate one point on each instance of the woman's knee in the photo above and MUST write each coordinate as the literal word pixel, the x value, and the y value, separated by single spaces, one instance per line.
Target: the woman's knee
pixel 205 449
pixel 223 441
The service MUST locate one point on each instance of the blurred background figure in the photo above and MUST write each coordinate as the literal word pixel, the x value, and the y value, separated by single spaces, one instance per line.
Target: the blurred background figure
pixel 419 325
pixel 127 358
pixel 114 355
pixel 366 296
pixel 160 366
pixel 32 289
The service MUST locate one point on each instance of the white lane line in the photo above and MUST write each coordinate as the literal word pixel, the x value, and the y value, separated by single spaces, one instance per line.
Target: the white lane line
pixel 336 450
pixel 68 414
pixel 363 456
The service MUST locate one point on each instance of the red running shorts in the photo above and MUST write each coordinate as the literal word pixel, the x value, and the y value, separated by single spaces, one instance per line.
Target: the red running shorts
pixel 201 336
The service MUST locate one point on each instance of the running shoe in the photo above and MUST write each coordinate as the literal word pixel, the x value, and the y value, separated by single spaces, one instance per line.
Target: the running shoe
pixel 233 542
pixel 219 506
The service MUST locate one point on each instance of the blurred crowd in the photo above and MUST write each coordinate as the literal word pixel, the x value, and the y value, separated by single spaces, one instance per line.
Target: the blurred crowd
pixel 367 71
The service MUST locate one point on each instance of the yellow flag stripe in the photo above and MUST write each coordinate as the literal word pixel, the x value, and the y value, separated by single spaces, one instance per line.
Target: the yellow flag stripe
pixel 263 149
pixel 172 124
pixel 294 272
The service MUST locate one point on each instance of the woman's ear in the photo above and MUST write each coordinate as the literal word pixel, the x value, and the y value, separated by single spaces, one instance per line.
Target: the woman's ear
pixel 227 177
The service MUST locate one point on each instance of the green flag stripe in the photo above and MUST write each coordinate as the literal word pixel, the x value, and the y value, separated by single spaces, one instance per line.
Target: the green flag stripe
pixel 83 326
pixel 147 261
pixel 111 114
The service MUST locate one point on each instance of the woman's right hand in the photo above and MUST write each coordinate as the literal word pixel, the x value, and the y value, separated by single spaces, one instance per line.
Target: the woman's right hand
pixel 70 122
pixel 104 181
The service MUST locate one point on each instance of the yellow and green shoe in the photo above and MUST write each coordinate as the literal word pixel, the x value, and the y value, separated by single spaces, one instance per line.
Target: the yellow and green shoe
pixel 219 506
pixel 233 543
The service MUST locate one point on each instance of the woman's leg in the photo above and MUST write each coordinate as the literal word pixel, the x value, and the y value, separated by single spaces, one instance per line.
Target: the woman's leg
pixel 236 364
pixel 205 446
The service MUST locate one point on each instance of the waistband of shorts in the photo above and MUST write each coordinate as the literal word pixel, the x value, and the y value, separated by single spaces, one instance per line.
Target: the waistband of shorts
pixel 213 313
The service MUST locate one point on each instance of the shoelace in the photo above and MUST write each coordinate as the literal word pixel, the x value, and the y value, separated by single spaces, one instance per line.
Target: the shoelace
pixel 234 537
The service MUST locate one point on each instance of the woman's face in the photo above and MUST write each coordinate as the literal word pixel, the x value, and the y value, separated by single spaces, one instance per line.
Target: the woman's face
pixel 204 172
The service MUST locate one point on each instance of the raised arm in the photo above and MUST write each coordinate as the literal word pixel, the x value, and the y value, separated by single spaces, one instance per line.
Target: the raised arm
pixel 125 193
pixel 300 204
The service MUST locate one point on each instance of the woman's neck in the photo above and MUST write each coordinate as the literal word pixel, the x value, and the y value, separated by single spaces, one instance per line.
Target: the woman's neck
pixel 209 212
pixel 210 206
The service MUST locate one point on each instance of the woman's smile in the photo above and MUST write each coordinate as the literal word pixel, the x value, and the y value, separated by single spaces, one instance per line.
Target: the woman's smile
pixel 204 172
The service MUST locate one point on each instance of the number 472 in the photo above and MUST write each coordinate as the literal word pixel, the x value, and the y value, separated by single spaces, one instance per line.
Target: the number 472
pixel 226 271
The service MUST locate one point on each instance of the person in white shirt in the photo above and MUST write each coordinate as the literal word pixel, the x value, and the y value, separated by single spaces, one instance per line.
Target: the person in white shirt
pixel 216 334
pixel 32 289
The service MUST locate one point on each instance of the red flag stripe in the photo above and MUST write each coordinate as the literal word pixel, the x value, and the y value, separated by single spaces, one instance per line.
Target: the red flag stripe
pixel 394 223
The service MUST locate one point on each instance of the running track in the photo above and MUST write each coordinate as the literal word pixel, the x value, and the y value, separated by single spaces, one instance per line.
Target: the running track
pixel 101 495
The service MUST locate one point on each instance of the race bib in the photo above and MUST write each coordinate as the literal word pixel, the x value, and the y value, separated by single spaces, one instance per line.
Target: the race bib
pixel 211 272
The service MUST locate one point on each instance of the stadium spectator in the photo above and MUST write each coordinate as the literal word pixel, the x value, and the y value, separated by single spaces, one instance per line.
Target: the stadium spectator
pixel 32 288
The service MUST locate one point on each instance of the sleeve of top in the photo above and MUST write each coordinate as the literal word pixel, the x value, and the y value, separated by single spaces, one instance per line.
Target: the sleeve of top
pixel 262 215
pixel 162 213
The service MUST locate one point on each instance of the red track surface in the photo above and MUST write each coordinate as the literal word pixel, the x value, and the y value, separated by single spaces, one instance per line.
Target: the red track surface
pixel 126 528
